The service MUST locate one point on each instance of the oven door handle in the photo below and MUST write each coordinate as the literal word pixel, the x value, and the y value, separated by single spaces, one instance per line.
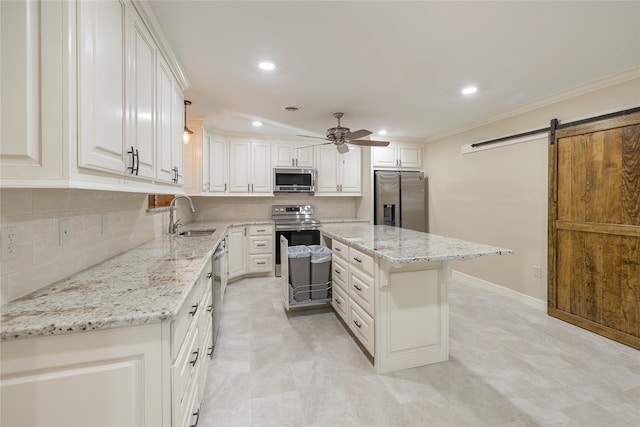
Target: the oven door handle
pixel 290 228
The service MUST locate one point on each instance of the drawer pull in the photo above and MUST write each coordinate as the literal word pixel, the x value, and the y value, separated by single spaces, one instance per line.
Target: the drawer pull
pixel 337 249
pixel 338 301
pixel 357 287
pixel 209 275
pixel 194 361
pixel 357 324
pixel 195 310
pixel 261 245
pixel 262 230
pixel 261 262
pixel 337 271
pixel 210 308
pixel 356 259
pixel 210 352
pixel 197 415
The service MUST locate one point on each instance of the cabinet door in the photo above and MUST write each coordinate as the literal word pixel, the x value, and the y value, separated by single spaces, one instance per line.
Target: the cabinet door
pixel 385 157
pixel 31 104
pixel 164 117
pixel 101 70
pixel 260 170
pixel 326 163
pixel 217 171
pixel 410 155
pixel 177 128
pixel 236 251
pixel 239 152
pixel 284 155
pixel 304 155
pixel 111 377
pixel 350 168
pixel 141 96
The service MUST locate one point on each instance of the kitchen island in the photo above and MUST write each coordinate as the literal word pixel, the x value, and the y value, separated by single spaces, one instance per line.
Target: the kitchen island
pixel 390 288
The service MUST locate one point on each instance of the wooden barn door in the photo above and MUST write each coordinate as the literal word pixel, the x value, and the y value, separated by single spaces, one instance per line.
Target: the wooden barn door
pixel 594 227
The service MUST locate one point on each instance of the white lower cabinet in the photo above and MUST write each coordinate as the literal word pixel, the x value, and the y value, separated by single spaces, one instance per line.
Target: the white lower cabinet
pixel 361 324
pixel 147 375
pixel 340 302
pixel 250 250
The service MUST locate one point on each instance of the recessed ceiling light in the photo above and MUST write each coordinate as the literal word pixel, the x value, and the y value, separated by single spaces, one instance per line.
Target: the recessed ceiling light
pixel 257 123
pixel 469 90
pixel 382 132
pixel 267 66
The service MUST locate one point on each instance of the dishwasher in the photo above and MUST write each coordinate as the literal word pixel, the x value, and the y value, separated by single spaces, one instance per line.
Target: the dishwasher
pixel 218 272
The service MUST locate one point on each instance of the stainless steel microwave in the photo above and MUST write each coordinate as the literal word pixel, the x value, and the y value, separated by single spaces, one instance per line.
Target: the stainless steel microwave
pixel 294 180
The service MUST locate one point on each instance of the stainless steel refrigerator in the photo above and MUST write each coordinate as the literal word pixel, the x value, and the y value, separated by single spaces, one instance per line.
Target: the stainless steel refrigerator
pixel 400 199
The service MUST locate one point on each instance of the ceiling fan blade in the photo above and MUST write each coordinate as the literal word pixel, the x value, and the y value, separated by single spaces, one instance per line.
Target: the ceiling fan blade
pixel 314 145
pixel 356 134
pixel 315 137
pixel 369 143
pixel 342 148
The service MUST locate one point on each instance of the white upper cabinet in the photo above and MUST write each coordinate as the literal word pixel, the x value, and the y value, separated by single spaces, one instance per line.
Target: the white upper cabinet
pixel 101 72
pixel 398 155
pixel 291 154
pixel 177 131
pixel 164 115
pixel 249 167
pixel 338 174
pixel 84 97
pixel 31 104
pixel 141 101
pixel 215 172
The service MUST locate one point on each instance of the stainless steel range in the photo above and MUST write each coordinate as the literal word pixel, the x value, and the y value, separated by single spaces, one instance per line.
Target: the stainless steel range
pixel 296 223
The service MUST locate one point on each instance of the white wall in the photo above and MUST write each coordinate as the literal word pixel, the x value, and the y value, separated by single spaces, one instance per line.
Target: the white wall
pixel 499 196
pixel 34 215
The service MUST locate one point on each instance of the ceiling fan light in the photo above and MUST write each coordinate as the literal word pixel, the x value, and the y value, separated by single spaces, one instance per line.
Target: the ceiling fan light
pixel 382 132
pixel 342 148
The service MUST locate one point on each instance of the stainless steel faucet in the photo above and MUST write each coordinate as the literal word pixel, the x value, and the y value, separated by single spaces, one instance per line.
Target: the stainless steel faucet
pixel 173 226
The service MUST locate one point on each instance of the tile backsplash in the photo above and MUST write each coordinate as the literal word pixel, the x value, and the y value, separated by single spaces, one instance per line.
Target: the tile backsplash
pixel 96 225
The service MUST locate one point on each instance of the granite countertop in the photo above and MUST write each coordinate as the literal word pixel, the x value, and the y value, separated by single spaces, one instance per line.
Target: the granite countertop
pixel 147 284
pixel 401 245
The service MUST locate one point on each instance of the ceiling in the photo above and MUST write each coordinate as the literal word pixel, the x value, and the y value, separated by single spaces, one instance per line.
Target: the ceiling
pixel 391 65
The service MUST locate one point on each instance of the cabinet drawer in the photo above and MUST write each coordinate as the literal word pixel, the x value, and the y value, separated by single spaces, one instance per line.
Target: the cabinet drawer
pixel 361 290
pixel 340 303
pixel 260 230
pixel 189 314
pixel 260 263
pixel 260 244
pixel 362 261
pixel 339 273
pixel 340 249
pixel 187 412
pixel 185 369
pixel 362 326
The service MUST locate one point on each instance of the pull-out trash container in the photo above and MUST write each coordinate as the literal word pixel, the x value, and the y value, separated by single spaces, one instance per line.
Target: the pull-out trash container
pixel 320 271
pixel 299 273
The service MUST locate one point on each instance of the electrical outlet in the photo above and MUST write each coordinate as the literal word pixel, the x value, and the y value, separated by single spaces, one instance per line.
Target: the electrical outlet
pixel 9 246
pixel 537 271
pixel 65 232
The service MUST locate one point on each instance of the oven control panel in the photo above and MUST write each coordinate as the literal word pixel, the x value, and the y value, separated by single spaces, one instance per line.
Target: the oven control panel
pixel 292 210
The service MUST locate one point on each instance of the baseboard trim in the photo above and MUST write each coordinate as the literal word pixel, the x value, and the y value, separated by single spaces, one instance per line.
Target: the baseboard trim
pixel 510 293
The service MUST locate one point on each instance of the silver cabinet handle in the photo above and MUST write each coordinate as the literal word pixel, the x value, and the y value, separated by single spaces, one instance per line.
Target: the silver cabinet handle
pixel 337 271
pixel 262 230
pixel 357 287
pixel 225 187
pixel 337 249
pixel 338 301
pixel 261 245
pixel 210 308
pixel 357 260
pixel 197 415
pixel 357 324
pixel 261 263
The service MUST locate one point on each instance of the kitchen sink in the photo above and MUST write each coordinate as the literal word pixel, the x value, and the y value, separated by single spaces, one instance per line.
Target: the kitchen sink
pixel 197 233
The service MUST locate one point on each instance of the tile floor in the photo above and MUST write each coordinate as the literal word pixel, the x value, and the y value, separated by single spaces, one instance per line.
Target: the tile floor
pixel 510 365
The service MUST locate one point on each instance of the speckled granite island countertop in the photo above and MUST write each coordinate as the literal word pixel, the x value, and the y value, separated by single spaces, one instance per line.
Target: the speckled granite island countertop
pixel 401 245
pixel 146 284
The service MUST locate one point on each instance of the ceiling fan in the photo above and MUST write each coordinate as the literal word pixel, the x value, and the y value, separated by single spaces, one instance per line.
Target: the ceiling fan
pixel 341 136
